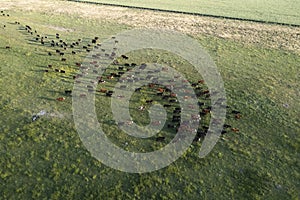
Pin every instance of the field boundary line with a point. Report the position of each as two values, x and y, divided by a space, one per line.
188 13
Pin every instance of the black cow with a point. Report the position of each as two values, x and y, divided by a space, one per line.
149 101
175 117
143 66
68 92
165 97
177 111
137 89
236 112
108 94
172 126
201 104
28 27
160 139
175 120
125 57
227 126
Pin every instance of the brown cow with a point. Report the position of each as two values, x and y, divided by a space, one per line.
235 130
160 89
103 90
60 99
238 116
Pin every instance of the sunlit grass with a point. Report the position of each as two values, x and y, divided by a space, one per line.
46 159
269 11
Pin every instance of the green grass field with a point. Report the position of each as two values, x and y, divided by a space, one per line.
46 159
270 10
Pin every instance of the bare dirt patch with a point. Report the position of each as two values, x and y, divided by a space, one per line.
267 35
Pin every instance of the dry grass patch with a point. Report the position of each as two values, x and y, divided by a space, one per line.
272 36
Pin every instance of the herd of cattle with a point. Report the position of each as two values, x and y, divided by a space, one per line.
56 46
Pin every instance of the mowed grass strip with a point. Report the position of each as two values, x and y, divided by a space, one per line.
46 159
268 11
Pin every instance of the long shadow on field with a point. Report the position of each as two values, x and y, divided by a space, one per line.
56 92
37 70
47 98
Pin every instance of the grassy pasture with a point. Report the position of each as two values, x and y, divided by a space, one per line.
46 159
269 11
